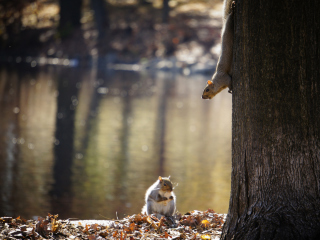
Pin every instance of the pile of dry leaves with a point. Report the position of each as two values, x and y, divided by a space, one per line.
192 225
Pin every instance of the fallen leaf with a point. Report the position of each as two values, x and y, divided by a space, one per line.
55 225
205 236
42 227
149 220
205 223
92 237
94 227
132 226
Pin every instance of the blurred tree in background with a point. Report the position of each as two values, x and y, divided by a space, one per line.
101 16
70 16
165 13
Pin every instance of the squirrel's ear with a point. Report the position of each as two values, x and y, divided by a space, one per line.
160 178
209 82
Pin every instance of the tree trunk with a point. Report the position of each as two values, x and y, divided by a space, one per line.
61 192
101 16
144 2
165 11
70 15
276 121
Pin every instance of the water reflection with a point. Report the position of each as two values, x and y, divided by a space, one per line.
88 143
27 123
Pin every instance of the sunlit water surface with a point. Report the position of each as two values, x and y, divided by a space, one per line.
86 144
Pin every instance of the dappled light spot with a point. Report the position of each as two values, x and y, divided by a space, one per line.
145 148
102 90
186 71
16 110
31 146
33 63
79 155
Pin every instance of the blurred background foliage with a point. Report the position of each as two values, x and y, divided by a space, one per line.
130 29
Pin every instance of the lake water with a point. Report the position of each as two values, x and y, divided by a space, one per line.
87 144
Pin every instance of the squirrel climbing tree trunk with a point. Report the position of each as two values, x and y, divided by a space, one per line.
275 182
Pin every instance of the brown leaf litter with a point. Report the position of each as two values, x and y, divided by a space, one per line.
192 225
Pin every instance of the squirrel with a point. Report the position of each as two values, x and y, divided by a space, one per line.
160 199
221 79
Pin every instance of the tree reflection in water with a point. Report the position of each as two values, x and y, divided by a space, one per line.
86 143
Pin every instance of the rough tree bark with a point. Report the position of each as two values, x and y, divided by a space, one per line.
276 121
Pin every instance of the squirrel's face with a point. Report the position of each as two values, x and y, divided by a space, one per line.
166 185
209 91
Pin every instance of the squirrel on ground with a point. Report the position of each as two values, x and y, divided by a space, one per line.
160 199
221 79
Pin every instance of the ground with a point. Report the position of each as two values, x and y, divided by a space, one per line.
192 225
